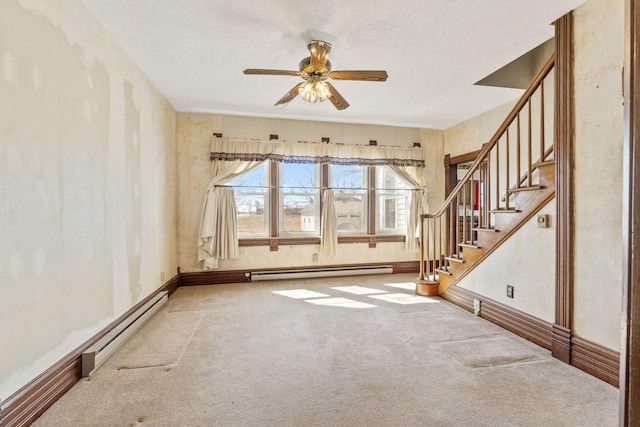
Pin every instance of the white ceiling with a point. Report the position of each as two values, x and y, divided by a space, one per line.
434 51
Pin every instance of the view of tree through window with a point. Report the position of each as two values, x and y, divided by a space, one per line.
252 201
349 183
299 198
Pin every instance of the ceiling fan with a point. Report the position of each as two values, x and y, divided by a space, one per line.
315 70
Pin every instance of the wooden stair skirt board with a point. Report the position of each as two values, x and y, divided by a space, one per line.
28 403
594 359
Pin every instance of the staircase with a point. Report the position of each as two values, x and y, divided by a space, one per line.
512 178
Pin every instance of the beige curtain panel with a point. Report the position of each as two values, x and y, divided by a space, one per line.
328 229
218 234
414 176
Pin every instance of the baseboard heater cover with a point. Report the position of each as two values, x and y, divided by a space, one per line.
98 353
256 276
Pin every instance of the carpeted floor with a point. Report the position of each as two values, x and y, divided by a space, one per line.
358 351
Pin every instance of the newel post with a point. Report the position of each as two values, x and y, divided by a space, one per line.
426 284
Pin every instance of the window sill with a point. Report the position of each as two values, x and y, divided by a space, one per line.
293 241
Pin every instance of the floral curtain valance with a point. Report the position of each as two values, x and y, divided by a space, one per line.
314 152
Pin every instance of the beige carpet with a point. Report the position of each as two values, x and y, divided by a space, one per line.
360 351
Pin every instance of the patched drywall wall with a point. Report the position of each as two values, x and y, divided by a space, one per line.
87 183
598 59
525 262
193 136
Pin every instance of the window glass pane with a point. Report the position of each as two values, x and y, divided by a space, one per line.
299 199
349 184
392 202
252 202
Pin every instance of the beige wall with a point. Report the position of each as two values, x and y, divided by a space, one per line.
599 54
193 135
525 262
87 183
469 135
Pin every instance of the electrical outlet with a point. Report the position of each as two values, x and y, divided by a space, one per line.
162 276
314 257
476 307
509 291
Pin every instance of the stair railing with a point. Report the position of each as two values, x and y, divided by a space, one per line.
506 165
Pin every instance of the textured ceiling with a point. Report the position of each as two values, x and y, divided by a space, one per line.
434 51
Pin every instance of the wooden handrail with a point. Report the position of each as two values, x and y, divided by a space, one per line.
473 204
548 66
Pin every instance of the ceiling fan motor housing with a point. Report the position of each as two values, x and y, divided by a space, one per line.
306 64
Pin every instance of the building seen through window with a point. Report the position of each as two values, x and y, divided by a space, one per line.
298 199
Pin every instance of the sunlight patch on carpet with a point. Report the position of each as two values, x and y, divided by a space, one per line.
300 294
359 290
408 285
340 302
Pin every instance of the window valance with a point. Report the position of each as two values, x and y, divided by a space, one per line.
315 152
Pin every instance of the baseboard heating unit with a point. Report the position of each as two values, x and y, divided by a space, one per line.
256 276
98 353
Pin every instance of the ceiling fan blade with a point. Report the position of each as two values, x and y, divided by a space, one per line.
260 71
290 95
319 55
336 99
370 76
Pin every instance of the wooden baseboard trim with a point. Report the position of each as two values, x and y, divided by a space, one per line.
591 358
561 343
521 324
240 276
27 404
171 286
596 360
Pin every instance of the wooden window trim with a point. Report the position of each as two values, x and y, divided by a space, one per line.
274 203
371 201
274 240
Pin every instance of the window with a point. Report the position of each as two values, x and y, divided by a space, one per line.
252 202
299 211
350 194
392 201
368 200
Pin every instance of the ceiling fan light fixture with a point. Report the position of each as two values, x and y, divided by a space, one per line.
314 70
314 91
